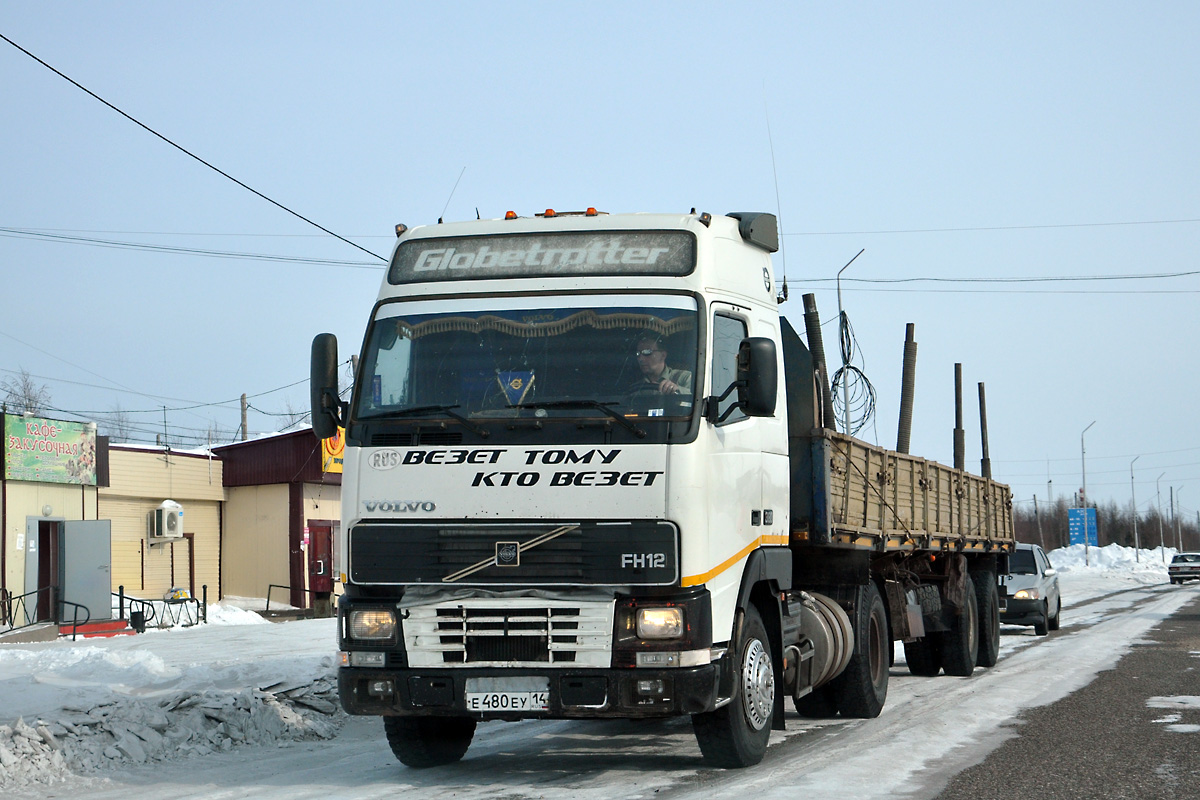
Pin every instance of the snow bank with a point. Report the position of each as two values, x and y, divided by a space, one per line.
98 704
1112 565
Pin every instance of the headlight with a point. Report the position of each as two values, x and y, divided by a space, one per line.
659 623
373 624
1026 594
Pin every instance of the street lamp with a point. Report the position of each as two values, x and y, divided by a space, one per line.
1162 545
1137 543
1178 527
1083 464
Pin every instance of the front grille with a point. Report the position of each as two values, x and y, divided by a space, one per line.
590 553
482 630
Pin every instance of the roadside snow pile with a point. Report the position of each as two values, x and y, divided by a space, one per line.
87 707
1123 564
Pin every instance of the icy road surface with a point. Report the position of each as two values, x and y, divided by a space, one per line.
240 711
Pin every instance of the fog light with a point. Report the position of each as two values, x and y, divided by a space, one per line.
651 688
380 688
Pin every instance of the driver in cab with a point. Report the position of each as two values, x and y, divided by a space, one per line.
656 375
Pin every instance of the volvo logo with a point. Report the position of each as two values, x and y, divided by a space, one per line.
398 506
508 554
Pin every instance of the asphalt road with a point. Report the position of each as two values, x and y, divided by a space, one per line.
1110 739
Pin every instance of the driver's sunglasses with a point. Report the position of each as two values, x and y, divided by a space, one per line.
646 353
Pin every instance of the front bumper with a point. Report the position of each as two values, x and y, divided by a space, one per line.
1023 612
574 694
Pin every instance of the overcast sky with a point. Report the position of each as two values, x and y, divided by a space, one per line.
949 141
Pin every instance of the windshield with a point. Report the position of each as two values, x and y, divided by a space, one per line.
619 361
1020 562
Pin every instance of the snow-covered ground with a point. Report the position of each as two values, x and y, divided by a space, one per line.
231 706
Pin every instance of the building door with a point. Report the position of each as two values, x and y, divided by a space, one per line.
47 569
85 568
320 566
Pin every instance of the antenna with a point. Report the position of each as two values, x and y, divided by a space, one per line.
783 290
451 197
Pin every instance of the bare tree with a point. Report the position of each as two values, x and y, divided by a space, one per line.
118 426
23 395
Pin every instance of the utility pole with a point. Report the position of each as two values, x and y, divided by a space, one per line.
1162 545
1083 491
244 407
1038 517
1171 490
1178 523
1137 543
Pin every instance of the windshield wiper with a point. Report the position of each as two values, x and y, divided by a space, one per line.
597 404
483 433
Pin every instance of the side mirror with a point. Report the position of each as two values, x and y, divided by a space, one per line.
1050 572
756 384
322 387
758 373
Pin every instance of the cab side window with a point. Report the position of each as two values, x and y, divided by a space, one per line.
728 333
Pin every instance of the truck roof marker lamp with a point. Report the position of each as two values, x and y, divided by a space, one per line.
549 213
510 215
401 229
591 212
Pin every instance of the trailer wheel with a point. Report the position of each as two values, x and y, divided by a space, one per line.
924 656
862 687
987 599
820 703
960 644
736 734
429 741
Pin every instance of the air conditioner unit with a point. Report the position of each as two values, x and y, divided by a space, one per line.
165 523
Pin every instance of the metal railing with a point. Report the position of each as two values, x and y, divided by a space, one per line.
15 612
183 611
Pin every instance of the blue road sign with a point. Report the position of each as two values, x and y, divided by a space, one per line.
1080 519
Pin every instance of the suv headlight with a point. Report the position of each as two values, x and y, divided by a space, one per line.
660 623
373 624
1026 594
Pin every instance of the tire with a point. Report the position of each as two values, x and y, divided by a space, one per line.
987 600
960 644
1053 622
861 689
1043 628
820 703
924 656
736 734
429 741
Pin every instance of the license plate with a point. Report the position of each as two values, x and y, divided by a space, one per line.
508 694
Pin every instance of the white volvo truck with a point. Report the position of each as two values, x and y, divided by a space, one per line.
588 474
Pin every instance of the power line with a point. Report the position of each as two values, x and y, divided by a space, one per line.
19 233
998 228
187 152
1026 279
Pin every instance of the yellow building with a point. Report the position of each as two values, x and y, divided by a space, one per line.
141 478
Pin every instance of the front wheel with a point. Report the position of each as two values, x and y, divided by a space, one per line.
736 734
429 741
1053 622
1042 627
